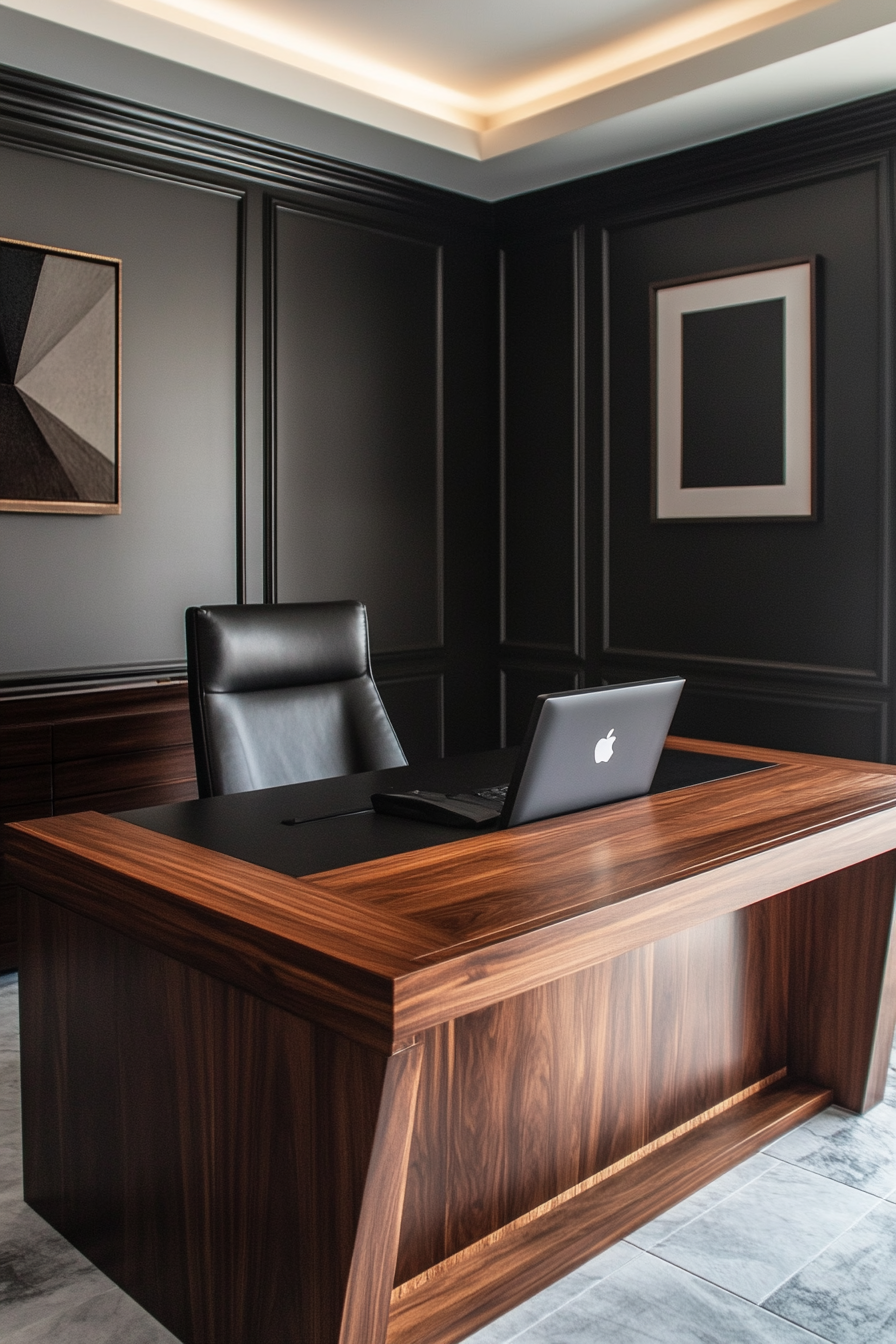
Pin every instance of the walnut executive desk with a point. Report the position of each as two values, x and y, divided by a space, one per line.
383 1102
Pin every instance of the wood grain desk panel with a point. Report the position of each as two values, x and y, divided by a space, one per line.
330 958
101 748
389 1101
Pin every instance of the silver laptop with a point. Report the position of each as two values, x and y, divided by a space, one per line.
581 749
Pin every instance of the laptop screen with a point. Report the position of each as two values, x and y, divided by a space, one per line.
583 748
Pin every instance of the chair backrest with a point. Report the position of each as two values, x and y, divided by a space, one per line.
283 694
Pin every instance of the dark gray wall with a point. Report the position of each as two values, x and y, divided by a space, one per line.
93 591
794 593
359 432
782 628
310 405
311 410
385 463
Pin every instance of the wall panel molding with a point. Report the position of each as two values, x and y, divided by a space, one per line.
358 419
542 441
786 717
846 173
785 153
40 112
55 681
845 676
837 680
446 670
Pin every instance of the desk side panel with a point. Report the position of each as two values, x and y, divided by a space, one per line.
207 1150
311 952
522 1101
843 981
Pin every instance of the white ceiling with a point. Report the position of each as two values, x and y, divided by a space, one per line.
528 92
467 45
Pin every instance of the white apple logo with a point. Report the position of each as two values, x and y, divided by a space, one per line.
604 749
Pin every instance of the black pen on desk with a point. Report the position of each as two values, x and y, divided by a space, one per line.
328 816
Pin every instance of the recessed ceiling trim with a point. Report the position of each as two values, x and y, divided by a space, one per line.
125 25
702 28
706 44
656 81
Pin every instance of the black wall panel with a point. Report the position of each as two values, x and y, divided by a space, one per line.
806 593
542 466
310 395
358 424
384 451
783 628
471 487
540 444
82 592
322 379
416 707
827 725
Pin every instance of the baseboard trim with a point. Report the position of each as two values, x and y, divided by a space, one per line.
464 1293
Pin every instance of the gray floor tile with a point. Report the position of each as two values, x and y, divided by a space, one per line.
511 1325
10 1076
859 1150
10 1164
51 1294
603 1265
848 1293
656 1231
649 1302
514 1323
9 1019
40 1273
890 1089
110 1317
760 1236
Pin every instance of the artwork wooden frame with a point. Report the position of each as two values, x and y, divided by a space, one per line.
60 380
733 394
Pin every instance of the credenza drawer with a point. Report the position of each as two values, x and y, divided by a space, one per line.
118 734
24 746
123 800
108 774
25 784
107 749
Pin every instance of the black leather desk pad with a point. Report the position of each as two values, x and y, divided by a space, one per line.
333 831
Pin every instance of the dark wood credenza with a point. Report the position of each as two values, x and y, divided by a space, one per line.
104 749
382 1102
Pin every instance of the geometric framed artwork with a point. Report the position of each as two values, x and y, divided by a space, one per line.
733 396
60 380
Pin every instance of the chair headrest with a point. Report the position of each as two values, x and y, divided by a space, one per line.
252 648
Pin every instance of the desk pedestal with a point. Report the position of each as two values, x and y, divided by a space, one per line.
253 1176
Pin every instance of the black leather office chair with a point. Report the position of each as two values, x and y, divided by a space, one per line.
283 694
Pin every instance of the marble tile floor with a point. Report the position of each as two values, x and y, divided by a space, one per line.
796 1245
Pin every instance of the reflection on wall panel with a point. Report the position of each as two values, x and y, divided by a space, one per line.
803 593
541 447
94 592
520 686
358 434
781 626
793 722
415 706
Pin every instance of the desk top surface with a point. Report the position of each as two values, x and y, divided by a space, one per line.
333 825
384 948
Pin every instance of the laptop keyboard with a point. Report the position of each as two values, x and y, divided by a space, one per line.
495 793
476 807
